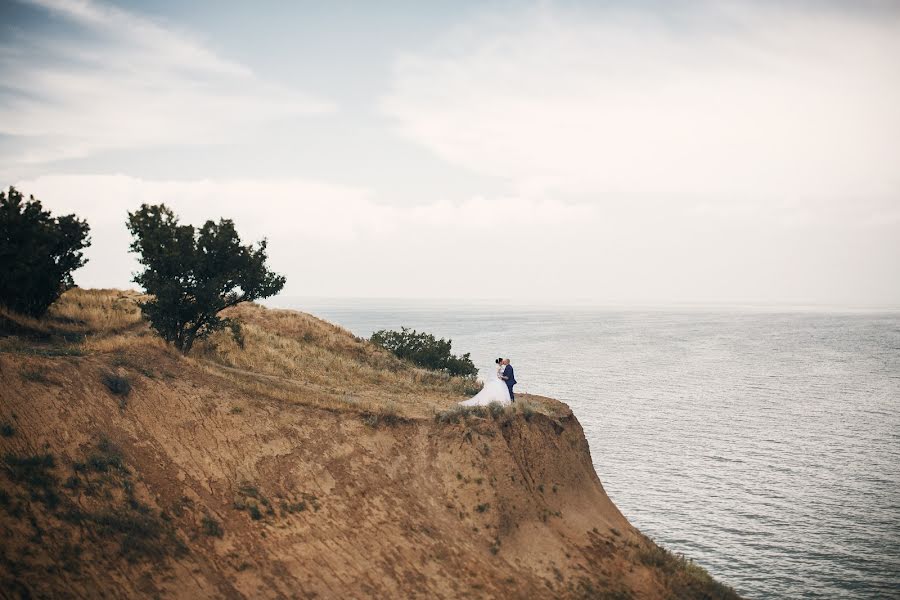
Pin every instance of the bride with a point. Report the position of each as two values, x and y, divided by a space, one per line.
494 390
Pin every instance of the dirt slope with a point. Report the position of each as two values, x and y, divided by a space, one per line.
208 480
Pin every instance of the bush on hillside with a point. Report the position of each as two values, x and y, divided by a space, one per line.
37 253
195 274
424 350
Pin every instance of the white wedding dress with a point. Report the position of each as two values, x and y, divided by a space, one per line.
494 390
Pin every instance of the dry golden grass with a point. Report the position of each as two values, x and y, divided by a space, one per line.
82 312
122 342
22 322
302 357
285 355
97 311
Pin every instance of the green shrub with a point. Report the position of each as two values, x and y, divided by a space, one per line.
117 384
471 386
211 527
141 535
193 275
386 415
424 350
35 375
293 507
495 546
527 410
496 409
459 413
453 415
108 457
35 472
682 576
37 253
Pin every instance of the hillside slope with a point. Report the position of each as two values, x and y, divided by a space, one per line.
306 463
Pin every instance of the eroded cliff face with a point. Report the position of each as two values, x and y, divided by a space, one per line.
190 486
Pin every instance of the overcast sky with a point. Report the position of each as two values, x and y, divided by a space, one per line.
611 152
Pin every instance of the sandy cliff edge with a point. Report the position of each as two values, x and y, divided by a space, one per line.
266 471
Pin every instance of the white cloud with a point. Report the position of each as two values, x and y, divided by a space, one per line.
124 81
318 230
747 155
725 104
336 240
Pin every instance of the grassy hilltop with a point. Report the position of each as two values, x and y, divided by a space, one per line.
294 461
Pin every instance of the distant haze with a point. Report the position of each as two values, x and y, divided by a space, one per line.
608 152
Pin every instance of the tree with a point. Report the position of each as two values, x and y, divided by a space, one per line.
37 253
424 350
193 275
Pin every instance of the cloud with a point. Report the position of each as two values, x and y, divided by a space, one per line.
337 240
118 80
720 103
328 238
726 153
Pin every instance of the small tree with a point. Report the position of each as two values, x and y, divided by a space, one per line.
193 275
424 350
37 253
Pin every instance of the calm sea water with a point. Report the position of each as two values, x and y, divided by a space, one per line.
765 445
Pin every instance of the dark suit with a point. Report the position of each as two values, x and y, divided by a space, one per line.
510 380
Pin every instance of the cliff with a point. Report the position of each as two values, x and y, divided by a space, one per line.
294 461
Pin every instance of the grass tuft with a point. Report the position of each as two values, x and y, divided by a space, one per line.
527 410
211 527
117 384
682 576
108 457
35 473
35 375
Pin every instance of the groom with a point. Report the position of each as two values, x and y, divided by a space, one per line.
509 376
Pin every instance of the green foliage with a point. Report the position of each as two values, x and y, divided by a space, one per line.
682 576
527 410
211 527
108 457
117 384
424 350
140 534
35 375
292 507
386 415
452 415
33 495
496 409
35 472
37 253
495 546
195 274
251 500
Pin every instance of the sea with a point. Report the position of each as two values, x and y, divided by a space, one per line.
761 442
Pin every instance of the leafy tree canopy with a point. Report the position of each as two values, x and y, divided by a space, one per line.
37 253
424 350
195 274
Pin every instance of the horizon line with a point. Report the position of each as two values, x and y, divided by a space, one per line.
598 303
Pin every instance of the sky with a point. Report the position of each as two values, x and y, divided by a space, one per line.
541 152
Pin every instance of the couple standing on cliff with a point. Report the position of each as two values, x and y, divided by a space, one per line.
499 389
